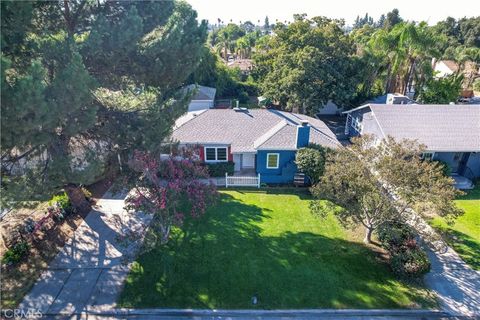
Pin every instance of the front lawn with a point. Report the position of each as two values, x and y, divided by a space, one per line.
267 244
464 234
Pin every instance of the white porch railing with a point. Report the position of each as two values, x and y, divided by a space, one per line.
233 181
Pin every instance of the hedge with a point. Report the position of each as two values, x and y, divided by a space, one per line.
218 169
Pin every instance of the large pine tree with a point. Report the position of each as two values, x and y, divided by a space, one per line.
85 82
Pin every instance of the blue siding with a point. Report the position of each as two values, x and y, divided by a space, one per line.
368 122
474 163
286 167
446 157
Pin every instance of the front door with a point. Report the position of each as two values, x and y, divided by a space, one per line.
248 161
459 163
237 160
462 164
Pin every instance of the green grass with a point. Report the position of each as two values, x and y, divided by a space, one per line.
265 243
464 234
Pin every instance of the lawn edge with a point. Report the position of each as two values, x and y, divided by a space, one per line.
436 313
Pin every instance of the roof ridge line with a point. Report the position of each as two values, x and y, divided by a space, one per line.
270 133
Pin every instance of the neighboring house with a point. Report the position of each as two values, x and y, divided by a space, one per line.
444 68
245 65
203 98
258 141
471 71
451 133
392 98
330 108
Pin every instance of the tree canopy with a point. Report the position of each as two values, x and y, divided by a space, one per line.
365 179
81 83
309 62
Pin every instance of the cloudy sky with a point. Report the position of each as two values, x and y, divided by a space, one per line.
254 10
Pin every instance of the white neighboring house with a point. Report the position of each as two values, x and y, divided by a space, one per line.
203 99
444 68
330 108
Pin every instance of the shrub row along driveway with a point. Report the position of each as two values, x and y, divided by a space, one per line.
93 264
265 244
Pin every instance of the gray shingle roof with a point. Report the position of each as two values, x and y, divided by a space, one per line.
454 128
203 93
249 130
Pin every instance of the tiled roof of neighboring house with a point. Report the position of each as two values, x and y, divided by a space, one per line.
439 127
245 65
203 93
249 130
469 67
452 65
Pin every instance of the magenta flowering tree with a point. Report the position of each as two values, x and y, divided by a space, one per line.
170 189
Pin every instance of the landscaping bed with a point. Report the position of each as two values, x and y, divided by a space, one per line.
18 279
464 234
263 249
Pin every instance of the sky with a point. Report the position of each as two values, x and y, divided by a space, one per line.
242 10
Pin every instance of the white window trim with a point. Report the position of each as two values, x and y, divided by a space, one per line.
357 125
216 154
278 160
429 153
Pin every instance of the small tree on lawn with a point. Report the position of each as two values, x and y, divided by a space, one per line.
349 184
169 189
311 161
365 178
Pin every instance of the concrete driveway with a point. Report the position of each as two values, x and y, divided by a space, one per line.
93 264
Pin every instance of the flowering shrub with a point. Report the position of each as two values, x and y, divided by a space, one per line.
407 258
410 263
169 189
395 234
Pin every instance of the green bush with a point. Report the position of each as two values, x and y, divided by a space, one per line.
219 169
311 161
243 97
395 235
410 263
63 202
447 170
407 258
16 253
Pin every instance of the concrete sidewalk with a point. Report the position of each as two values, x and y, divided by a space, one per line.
456 284
93 264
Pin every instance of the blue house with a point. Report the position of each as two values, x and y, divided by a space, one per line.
451 133
258 141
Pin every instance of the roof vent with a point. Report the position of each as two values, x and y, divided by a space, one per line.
304 123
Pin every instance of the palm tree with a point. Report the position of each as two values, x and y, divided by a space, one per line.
407 49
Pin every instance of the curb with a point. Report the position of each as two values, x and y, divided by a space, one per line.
251 313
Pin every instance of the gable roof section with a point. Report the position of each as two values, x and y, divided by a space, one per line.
447 128
203 93
450 64
247 131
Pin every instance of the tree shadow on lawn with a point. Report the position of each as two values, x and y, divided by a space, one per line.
302 193
467 247
222 260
